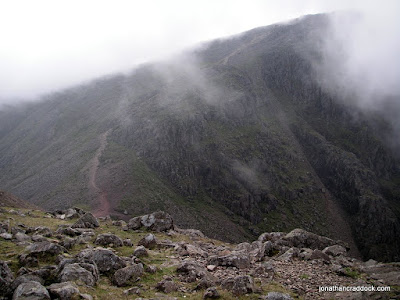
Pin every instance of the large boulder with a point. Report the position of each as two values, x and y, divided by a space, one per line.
123 276
303 239
335 250
77 272
193 271
26 278
86 221
239 285
106 260
108 239
44 248
31 290
157 221
6 279
64 291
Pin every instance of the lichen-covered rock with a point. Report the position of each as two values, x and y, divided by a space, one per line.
31 290
239 260
26 278
157 221
108 239
303 239
64 291
335 250
86 221
44 248
105 259
211 293
167 286
76 272
6 278
122 276
239 285
140 251
149 241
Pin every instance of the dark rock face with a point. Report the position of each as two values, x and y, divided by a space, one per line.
157 221
106 260
6 279
107 239
86 221
31 290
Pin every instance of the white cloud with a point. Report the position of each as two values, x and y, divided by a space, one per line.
47 45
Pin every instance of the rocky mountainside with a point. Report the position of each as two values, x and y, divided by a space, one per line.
235 138
70 254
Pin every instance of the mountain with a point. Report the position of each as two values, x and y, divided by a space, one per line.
235 138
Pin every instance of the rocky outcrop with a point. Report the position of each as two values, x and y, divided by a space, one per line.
158 221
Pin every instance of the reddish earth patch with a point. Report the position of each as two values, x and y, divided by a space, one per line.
103 205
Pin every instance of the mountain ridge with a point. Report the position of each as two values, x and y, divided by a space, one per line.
235 139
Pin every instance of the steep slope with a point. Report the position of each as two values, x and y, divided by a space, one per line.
9 200
234 139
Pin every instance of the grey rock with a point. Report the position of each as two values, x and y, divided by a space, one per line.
303 239
318 254
289 254
140 251
6 236
239 285
122 276
67 231
277 296
86 221
6 278
26 278
105 259
235 259
192 271
44 248
63 291
157 221
167 286
31 290
68 243
75 272
211 293
22 237
127 242
149 241
107 239
335 250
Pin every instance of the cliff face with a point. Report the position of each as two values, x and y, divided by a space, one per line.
234 139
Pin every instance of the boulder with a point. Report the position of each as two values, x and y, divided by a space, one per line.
76 272
107 239
22 237
211 293
157 221
122 276
277 296
270 236
239 260
63 291
335 250
289 254
192 271
26 278
106 260
31 290
140 251
86 221
149 241
6 279
303 239
239 285
318 254
167 286
44 248
67 231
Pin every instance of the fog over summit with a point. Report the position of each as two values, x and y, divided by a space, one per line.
47 45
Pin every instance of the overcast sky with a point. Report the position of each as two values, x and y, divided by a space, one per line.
48 45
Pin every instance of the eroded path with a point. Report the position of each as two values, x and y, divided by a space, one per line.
103 205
